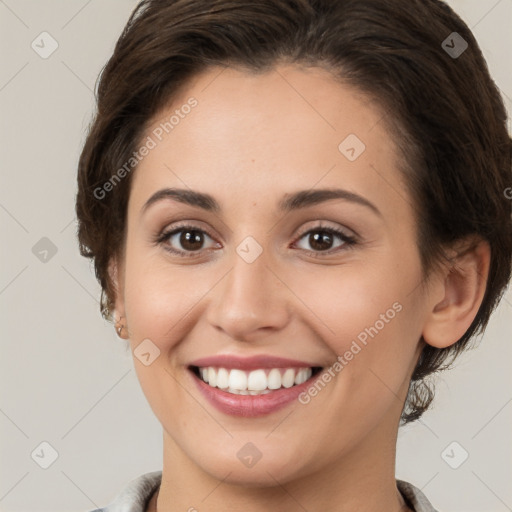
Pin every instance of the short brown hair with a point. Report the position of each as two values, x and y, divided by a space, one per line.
446 113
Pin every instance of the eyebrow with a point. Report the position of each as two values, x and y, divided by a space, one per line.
289 202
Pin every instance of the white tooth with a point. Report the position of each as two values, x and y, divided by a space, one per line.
222 378
212 377
257 380
288 378
303 375
274 379
237 379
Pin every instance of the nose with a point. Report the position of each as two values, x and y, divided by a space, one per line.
251 301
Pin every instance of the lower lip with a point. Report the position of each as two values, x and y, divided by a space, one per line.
251 405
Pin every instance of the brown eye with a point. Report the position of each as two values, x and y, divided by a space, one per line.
191 240
187 241
321 239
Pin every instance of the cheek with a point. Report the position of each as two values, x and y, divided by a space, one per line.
160 298
355 303
371 320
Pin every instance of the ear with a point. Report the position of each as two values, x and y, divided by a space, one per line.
116 273
462 287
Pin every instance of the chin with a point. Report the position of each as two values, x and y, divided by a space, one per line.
270 467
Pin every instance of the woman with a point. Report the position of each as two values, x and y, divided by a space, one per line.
297 212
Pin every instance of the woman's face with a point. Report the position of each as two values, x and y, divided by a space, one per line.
263 274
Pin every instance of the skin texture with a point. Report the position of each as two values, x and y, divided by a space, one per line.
251 139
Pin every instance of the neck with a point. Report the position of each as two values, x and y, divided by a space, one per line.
364 479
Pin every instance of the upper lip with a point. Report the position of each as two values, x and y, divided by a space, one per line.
251 363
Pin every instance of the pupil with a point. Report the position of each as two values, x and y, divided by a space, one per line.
193 239
189 238
317 240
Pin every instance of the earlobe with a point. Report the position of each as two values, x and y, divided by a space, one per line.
463 290
119 316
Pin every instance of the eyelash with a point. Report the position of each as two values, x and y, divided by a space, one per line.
348 241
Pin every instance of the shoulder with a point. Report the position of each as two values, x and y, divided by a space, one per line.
414 497
135 495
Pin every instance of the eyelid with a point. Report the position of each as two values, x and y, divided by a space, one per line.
165 234
184 224
349 240
349 233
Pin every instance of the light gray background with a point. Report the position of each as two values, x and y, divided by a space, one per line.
67 380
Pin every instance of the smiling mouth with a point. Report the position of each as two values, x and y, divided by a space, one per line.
259 381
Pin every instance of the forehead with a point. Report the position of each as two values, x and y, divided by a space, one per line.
255 133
